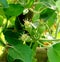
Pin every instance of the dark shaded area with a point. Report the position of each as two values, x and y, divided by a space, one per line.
17 60
46 14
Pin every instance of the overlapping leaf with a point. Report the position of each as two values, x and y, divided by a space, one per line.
52 55
26 3
13 10
18 50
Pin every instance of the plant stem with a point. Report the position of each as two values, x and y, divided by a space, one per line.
40 43
58 20
49 40
4 28
56 30
34 11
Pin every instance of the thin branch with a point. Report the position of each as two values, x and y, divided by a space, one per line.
49 40
56 30
58 19
34 11
40 43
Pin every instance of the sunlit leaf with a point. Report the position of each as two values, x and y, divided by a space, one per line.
13 10
52 55
57 4
57 48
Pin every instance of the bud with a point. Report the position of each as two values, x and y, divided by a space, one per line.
28 26
26 38
27 23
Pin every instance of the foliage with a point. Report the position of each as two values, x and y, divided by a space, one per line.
38 26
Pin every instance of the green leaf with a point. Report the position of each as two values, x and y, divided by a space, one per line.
10 36
46 13
29 3
13 10
35 17
41 28
21 52
1 12
58 35
39 6
10 59
11 22
52 19
38 9
58 4
26 3
4 3
52 55
49 4
57 48
2 49
17 50
1 20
